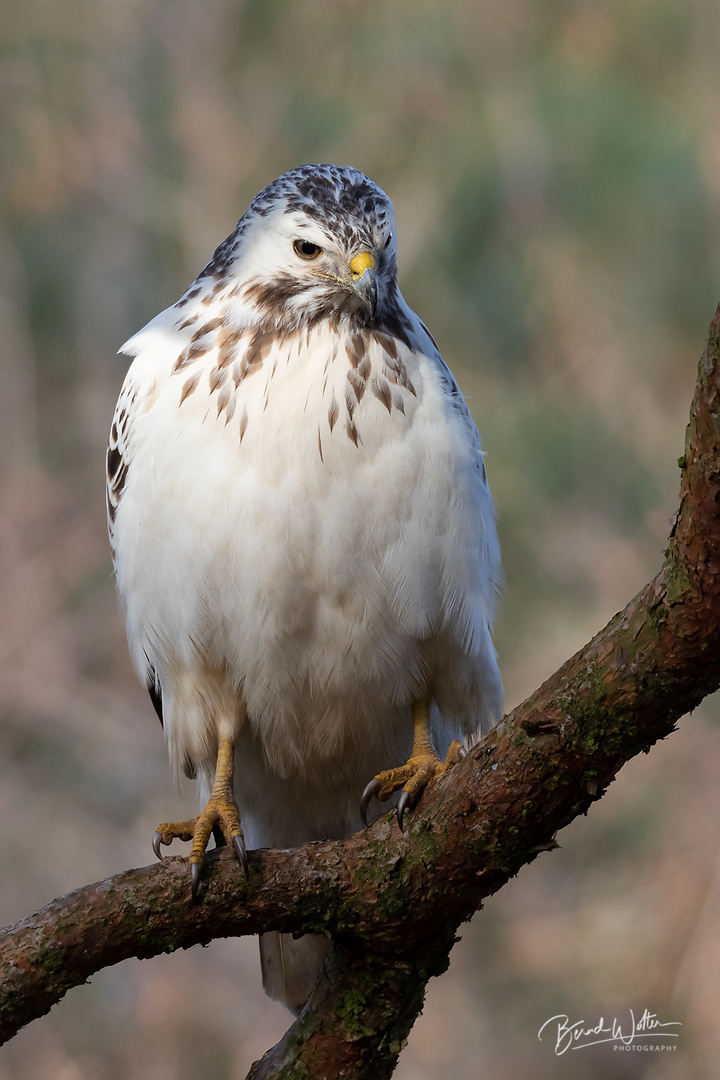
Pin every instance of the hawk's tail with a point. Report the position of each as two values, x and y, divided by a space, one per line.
291 965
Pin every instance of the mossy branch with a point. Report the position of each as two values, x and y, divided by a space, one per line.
393 902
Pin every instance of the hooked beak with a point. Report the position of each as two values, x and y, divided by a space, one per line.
364 281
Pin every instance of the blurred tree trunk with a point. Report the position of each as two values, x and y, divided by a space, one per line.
393 902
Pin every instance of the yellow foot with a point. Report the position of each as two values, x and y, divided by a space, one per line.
220 813
422 766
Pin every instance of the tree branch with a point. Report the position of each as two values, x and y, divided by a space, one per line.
393 902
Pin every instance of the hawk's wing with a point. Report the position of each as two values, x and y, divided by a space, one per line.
118 462
119 452
136 390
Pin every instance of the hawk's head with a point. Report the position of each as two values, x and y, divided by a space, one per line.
319 242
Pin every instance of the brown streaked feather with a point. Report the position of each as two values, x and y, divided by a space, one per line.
357 383
333 412
227 342
260 345
226 400
206 329
217 377
352 432
190 386
243 424
381 389
356 349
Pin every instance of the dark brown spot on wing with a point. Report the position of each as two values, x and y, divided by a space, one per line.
115 488
153 689
118 484
117 470
114 460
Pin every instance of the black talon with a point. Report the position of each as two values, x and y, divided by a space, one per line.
156 841
241 850
195 878
462 752
372 789
402 807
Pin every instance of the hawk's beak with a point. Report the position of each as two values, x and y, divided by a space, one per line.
362 272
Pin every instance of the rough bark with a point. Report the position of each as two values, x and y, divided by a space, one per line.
394 902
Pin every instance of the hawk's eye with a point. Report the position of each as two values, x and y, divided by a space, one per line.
304 249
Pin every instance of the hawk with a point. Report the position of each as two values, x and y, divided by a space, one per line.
303 536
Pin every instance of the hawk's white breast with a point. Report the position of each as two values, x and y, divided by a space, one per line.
332 554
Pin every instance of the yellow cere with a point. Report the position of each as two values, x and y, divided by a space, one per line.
360 263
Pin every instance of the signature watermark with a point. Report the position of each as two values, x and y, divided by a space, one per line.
643 1034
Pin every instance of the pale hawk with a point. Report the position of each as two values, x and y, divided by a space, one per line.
303 534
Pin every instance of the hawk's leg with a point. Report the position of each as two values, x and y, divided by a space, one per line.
422 766
220 812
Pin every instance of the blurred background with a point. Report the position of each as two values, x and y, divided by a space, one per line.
555 169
